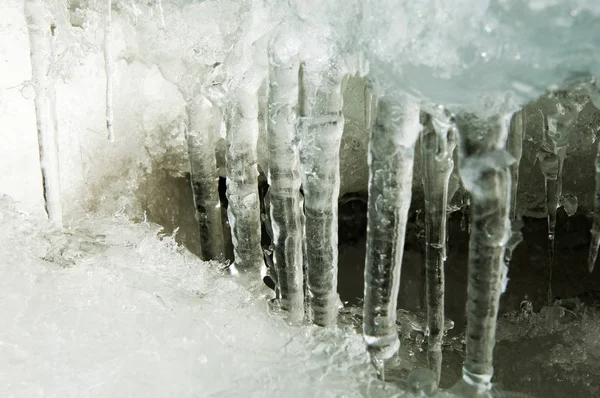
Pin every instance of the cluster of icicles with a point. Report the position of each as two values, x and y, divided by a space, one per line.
304 128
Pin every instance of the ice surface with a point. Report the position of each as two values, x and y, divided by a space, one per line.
111 309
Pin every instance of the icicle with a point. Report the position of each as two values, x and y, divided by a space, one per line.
40 39
551 162
595 238
559 114
108 68
284 175
391 157
437 149
204 122
320 134
515 147
484 169
242 185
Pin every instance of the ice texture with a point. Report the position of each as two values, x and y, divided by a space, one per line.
108 68
41 32
204 123
438 140
113 308
484 167
286 213
391 157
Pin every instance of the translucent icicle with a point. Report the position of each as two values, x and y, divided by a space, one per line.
320 134
42 54
559 113
204 122
284 176
243 211
514 146
108 69
484 169
437 149
595 238
391 159
551 161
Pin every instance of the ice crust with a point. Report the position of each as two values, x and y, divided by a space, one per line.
113 308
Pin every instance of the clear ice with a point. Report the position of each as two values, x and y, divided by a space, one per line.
109 71
285 202
391 159
484 169
438 140
204 123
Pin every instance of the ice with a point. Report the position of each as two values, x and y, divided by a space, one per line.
438 141
559 112
108 67
595 232
41 32
514 145
391 157
135 314
489 185
320 131
204 121
286 214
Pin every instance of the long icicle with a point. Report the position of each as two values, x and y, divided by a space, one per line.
484 169
108 69
320 134
391 160
204 122
437 149
595 238
514 145
551 158
243 211
284 175
40 39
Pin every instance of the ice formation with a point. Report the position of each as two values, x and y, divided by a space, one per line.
475 62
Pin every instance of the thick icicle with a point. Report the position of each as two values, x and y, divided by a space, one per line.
320 134
108 69
437 149
40 39
204 122
514 145
484 169
595 238
284 175
391 158
242 185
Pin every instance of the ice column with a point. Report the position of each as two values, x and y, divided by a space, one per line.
484 169
242 173
320 134
204 122
108 66
595 238
284 174
437 148
391 158
42 54
514 145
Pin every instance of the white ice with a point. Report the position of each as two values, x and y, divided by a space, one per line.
111 310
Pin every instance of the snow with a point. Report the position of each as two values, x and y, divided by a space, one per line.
114 309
